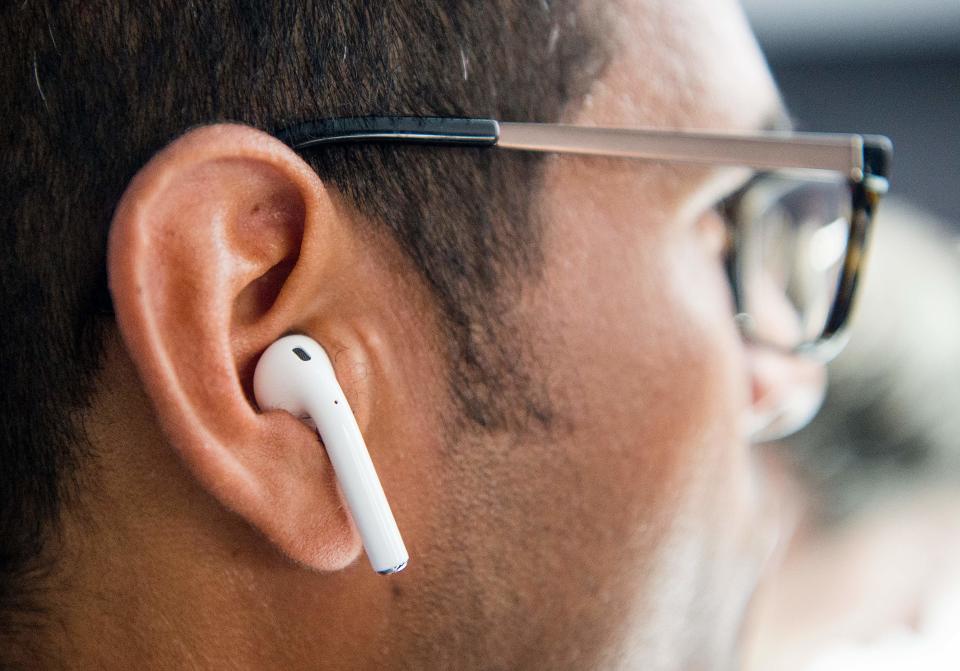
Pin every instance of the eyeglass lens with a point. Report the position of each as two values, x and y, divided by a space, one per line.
791 236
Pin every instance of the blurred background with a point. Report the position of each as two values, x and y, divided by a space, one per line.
871 579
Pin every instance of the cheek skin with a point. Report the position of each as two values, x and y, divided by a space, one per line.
634 330
715 538
575 544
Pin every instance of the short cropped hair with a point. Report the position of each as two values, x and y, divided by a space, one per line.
90 90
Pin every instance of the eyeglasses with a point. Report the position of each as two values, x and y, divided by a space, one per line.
798 228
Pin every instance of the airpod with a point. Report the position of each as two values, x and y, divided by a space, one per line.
295 374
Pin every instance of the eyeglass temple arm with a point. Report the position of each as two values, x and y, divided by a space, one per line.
762 150
424 130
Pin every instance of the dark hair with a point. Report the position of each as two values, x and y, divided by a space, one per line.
91 90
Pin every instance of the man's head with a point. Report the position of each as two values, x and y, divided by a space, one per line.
540 351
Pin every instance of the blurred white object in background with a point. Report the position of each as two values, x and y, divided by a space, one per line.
872 578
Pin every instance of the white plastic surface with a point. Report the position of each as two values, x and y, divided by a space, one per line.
283 380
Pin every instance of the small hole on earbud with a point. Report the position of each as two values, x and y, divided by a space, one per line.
335 402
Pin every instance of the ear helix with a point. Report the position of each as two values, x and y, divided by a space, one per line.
295 374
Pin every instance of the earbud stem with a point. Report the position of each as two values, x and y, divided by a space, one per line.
360 485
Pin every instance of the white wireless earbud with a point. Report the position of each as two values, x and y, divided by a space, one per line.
295 374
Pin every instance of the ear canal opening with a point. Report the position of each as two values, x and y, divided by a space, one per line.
253 302
259 295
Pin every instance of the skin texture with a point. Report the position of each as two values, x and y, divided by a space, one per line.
627 532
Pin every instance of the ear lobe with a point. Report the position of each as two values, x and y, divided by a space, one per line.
208 265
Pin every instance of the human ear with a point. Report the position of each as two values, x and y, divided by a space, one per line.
222 243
